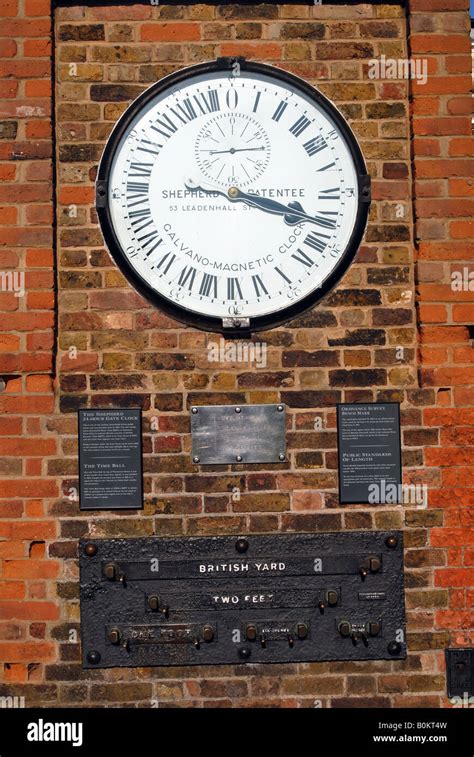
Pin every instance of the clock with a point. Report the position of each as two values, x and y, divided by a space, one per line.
233 195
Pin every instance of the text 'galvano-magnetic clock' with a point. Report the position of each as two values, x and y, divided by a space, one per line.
232 195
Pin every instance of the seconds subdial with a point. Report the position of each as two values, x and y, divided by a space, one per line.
232 149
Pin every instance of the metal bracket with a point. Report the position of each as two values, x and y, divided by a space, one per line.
236 323
365 192
229 61
101 192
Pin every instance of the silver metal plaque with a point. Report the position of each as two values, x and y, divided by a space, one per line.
223 434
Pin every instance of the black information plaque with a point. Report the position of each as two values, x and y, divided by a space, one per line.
370 470
110 459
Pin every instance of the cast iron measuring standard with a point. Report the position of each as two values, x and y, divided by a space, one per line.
233 195
222 599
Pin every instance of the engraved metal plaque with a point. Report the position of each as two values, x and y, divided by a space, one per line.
223 434
224 600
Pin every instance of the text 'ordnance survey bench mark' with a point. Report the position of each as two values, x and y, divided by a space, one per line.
110 459
369 453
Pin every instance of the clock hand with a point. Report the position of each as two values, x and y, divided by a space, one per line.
193 186
293 214
233 150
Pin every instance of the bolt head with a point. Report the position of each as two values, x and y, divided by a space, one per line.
391 542
196 459
394 648
90 549
282 457
238 409
302 630
251 633
244 653
280 408
194 410
208 633
239 458
345 628
241 545
93 657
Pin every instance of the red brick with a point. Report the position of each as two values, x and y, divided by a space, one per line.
121 13
38 7
441 126
463 313
461 146
26 28
454 577
264 50
461 229
440 43
27 446
37 48
38 88
32 651
7 173
9 8
38 130
7 48
178 32
76 194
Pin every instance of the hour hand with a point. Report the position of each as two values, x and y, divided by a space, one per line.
293 213
195 186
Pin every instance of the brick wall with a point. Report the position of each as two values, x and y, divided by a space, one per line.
80 337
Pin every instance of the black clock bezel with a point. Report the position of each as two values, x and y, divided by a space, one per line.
185 315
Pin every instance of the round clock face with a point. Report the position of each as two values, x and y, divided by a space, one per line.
232 196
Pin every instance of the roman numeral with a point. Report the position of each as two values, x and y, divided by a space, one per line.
283 275
330 194
257 100
233 289
168 127
327 223
316 241
302 257
148 239
184 111
280 110
207 102
259 286
209 282
140 169
315 145
144 213
149 149
300 125
136 189
139 216
164 260
187 276
325 168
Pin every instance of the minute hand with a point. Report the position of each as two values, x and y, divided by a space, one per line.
292 215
